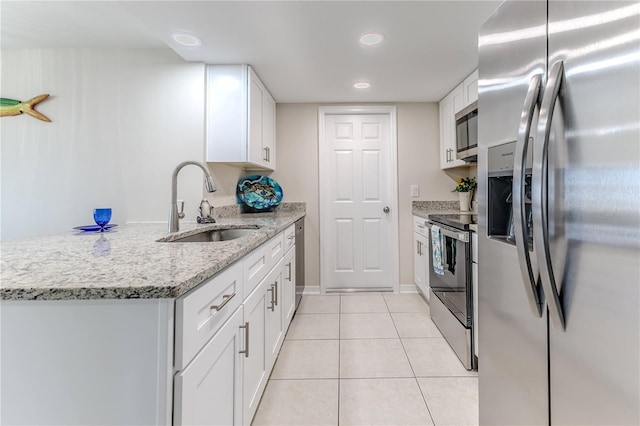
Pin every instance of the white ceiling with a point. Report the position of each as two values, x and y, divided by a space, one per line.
304 51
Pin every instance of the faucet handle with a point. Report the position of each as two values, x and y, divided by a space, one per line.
181 210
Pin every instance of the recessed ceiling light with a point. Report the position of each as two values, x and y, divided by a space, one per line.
185 39
372 39
361 85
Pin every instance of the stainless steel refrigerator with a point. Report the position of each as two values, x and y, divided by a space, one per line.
559 214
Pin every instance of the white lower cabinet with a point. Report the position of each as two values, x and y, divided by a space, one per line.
209 390
255 372
288 287
224 382
274 331
421 255
421 263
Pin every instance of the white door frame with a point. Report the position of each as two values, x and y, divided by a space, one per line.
393 184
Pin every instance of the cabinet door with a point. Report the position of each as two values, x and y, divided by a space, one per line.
269 129
257 154
209 390
446 110
449 105
274 334
458 103
288 287
254 372
421 251
226 113
470 87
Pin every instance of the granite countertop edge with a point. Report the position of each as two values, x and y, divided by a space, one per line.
138 264
431 209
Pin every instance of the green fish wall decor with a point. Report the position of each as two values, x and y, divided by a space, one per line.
10 107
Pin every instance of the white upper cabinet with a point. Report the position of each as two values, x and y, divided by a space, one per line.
449 105
459 98
470 89
240 118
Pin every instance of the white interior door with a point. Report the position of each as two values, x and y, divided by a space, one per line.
358 202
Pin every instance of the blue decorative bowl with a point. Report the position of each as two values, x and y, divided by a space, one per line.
259 193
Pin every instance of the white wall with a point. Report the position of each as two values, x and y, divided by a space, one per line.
122 119
418 163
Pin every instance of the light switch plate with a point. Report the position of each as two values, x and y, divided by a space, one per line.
415 190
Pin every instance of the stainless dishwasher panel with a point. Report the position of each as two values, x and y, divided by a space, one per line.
299 260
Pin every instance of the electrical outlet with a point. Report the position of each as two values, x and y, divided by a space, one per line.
415 190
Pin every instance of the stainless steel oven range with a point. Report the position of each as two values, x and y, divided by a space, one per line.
450 282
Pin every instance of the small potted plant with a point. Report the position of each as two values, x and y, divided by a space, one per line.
465 189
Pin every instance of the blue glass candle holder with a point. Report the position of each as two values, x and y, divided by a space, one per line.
102 217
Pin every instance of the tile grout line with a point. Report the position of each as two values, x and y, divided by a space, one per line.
411 365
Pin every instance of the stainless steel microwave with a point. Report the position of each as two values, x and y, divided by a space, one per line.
467 134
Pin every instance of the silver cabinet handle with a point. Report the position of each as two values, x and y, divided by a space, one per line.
529 278
246 340
291 237
418 248
386 209
539 186
276 292
266 153
273 303
289 266
225 299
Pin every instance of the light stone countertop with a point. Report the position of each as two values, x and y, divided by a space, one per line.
426 208
127 262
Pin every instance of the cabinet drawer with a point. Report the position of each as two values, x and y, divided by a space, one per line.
419 226
289 237
201 313
276 249
258 263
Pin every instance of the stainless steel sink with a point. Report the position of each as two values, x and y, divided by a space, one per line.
215 235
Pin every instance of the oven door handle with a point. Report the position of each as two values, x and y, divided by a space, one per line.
529 277
451 232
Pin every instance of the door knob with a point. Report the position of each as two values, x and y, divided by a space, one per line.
386 209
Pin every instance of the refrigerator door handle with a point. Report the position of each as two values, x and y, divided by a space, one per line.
529 277
539 195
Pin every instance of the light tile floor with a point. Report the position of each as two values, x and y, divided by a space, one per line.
367 359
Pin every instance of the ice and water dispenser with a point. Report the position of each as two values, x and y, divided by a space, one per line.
499 202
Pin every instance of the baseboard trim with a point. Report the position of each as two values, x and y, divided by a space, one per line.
408 288
315 289
311 289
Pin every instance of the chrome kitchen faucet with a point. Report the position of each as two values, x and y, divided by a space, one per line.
175 215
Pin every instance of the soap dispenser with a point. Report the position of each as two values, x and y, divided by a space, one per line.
206 211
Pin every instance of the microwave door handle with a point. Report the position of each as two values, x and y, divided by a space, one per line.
529 277
539 186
